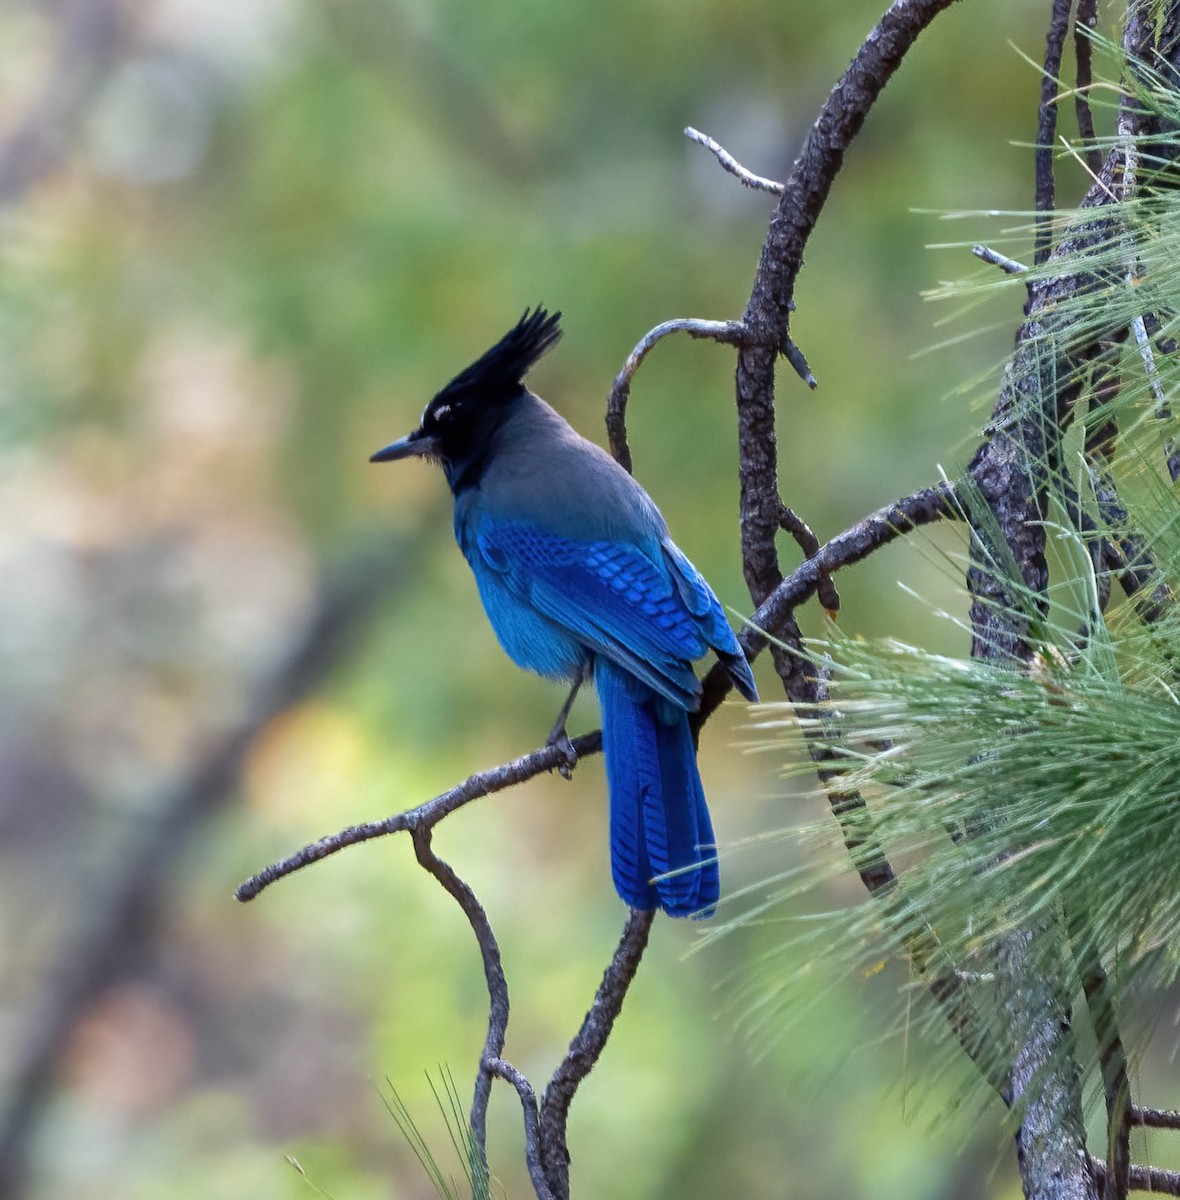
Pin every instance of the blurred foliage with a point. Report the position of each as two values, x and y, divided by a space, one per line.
278 227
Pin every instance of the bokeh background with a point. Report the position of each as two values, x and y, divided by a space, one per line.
240 246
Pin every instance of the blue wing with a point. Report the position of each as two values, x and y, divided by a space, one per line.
699 599
614 599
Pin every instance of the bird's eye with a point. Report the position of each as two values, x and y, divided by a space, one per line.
442 414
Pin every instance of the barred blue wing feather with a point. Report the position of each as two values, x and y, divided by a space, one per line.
608 595
698 597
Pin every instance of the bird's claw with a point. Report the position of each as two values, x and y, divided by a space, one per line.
569 755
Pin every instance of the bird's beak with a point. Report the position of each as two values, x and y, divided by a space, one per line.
413 445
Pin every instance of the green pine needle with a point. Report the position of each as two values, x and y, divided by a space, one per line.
462 1139
1009 799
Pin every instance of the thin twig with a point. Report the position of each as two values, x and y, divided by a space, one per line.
1141 1178
1163 407
798 360
1046 185
532 1130
497 985
793 524
855 544
759 183
729 333
1087 22
1129 129
424 816
1112 1059
587 1047
1129 555
1008 265
1155 1118
1139 328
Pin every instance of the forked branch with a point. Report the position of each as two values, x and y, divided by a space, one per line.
546 1150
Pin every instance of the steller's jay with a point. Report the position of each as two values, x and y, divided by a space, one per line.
578 575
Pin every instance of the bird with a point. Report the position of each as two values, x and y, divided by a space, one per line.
580 579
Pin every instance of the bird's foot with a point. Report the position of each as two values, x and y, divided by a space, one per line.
558 736
561 740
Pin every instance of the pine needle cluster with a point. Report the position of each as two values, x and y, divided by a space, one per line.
1011 796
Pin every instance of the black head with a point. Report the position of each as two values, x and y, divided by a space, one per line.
458 423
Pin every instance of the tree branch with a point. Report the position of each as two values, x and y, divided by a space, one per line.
425 816
758 183
728 333
1141 1178
1112 1061
493 969
761 335
1008 265
1084 27
767 317
855 544
532 1131
586 1048
547 1155
1046 186
1039 390
1155 1118
792 523
852 546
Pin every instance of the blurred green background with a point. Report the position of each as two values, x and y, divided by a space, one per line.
242 245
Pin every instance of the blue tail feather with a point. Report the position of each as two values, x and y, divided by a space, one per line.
659 821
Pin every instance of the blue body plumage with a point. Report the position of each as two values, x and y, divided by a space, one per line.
579 577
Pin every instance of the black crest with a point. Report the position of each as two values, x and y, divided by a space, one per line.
498 372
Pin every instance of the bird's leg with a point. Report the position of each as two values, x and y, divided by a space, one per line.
557 735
